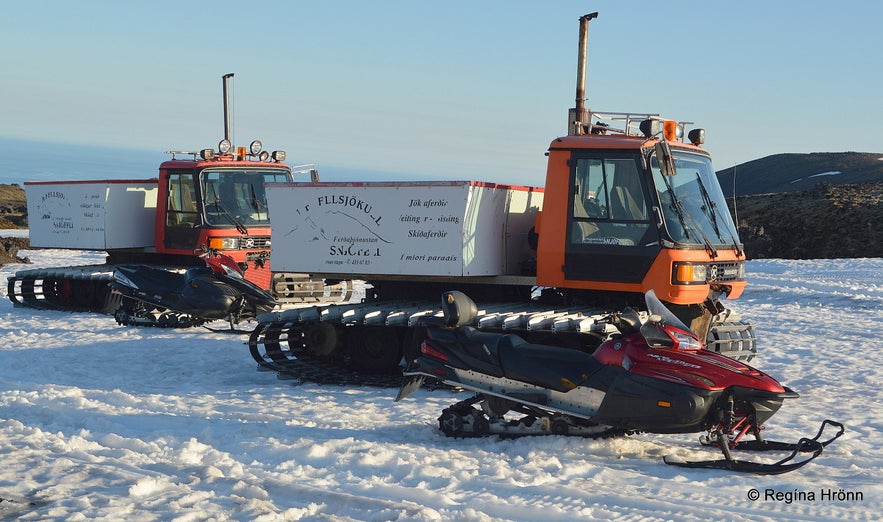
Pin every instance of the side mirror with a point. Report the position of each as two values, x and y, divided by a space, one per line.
665 158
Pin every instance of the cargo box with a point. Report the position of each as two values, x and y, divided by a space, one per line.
439 228
92 215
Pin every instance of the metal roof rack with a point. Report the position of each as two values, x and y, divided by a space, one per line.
193 155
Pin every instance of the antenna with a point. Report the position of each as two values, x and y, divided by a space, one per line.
735 211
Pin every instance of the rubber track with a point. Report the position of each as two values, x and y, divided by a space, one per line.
300 365
466 405
270 347
79 289
733 337
167 319
276 343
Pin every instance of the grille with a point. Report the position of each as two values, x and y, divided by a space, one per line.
722 272
255 242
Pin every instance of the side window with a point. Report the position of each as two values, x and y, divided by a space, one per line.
182 199
608 203
590 196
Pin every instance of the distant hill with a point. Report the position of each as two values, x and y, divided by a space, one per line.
809 206
795 172
13 207
825 222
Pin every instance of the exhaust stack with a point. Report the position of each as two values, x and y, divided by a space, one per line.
578 117
227 80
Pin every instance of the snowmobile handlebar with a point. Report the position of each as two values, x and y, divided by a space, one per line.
204 251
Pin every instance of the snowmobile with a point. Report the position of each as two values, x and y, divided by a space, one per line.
653 376
156 297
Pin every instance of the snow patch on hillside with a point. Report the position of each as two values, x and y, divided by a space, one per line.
830 173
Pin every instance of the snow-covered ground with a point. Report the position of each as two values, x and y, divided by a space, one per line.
103 422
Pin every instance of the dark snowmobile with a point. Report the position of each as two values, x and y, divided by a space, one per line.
655 377
156 297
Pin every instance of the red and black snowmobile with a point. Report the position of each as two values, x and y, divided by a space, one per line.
655 377
156 297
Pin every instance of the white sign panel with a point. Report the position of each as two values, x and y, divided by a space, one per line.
95 215
428 228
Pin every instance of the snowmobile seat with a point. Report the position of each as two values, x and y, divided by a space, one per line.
197 272
560 369
157 279
480 350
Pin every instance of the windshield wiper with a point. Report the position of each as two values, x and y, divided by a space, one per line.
220 206
708 206
239 226
684 216
256 203
711 212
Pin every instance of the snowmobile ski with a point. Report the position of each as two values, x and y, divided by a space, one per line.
805 445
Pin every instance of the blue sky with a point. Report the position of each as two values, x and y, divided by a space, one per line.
439 90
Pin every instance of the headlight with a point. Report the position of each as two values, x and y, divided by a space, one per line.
223 243
689 273
685 342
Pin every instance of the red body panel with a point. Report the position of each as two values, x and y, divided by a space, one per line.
259 275
700 368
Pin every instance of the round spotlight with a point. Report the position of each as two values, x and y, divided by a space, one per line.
224 146
256 147
264 156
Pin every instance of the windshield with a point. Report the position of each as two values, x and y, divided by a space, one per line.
236 197
693 205
659 312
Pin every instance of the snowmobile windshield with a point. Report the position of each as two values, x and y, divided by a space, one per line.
236 197
660 313
693 205
224 265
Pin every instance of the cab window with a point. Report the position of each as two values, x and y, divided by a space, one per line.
182 209
608 204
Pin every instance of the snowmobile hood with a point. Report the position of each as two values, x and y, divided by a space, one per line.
701 369
698 368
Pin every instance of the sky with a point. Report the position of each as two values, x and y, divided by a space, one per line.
438 90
